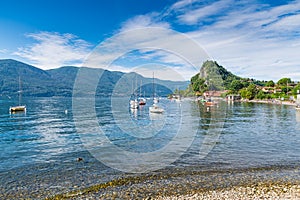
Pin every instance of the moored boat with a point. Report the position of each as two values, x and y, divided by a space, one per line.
142 101
156 109
134 104
209 102
19 108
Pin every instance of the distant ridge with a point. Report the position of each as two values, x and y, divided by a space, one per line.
59 82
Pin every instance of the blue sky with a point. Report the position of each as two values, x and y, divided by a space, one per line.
256 38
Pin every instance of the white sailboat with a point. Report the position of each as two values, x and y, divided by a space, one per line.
142 100
19 108
155 108
134 103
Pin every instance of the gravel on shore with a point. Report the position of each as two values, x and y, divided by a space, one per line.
264 191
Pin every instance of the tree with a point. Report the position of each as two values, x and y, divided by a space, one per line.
249 92
296 89
198 84
236 85
284 81
261 95
270 84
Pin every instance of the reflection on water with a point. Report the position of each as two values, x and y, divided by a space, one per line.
41 146
298 116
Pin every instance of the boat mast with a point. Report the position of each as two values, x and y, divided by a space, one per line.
20 90
141 88
136 91
153 85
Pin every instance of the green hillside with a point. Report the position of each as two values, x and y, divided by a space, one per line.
212 76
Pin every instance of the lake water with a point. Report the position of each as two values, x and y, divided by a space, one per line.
39 148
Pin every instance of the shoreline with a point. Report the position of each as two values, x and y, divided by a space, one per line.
273 102
250 183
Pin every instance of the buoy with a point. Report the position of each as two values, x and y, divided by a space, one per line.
66 111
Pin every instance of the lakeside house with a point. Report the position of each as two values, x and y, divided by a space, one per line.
213 93
233 97
271 90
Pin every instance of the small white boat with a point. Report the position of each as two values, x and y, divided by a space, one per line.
142 101
134 104
14 109
19 108
155 100
156 109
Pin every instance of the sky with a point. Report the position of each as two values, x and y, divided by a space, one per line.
259 39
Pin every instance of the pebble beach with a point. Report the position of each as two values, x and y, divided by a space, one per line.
264 191
266 183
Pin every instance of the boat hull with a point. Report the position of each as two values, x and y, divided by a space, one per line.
134 104
156 109
17 109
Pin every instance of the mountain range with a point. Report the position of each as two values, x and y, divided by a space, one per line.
59 82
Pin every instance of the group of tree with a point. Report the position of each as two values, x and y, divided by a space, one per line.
215 77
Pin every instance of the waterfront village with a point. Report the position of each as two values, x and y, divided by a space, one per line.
234 88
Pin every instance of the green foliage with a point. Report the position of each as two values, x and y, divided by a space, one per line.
236 85
246 83
270 84
216 77
259 83
261 95
198 84
296 89
212 76
286 89
249 92
284 81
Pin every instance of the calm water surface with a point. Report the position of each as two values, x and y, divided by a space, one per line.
39 148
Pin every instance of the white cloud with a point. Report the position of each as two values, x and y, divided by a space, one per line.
289 23
4 51
52 50
194 16
181 4
156 47
142 21
252 40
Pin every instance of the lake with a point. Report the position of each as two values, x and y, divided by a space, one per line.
40 148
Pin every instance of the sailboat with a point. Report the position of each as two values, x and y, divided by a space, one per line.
19 108
142 100
155 108
134 103
298 102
